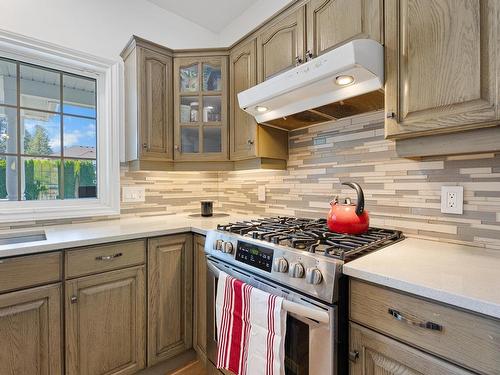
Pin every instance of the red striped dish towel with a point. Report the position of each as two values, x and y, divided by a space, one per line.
251 326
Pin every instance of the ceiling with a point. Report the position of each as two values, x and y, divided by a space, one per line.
213 15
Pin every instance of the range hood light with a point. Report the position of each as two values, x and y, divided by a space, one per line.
261 109
344 80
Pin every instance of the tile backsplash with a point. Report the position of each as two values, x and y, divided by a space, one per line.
400 193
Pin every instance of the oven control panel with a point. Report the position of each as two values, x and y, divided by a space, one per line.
254 255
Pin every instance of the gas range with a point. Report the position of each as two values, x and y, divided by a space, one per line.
298 253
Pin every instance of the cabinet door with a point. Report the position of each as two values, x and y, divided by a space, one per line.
373 354
200 114
243 75
280 44
155 110
105 326
331 23
200 296
441 66
30 332
170 274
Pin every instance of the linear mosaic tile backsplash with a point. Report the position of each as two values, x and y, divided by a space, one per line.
400 193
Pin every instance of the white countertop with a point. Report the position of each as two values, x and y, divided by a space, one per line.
463 276
90 233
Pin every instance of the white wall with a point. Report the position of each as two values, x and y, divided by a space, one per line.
101 27
250 19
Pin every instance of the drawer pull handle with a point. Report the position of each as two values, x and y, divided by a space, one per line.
411 321
109 257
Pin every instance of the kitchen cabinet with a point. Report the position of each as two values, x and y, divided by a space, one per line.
105 323
30 327
331 23
442 66
456 336
148 104
170 290
200 297
371 354
200 108
280 44
249 139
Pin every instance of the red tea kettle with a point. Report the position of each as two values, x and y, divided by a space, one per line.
346 217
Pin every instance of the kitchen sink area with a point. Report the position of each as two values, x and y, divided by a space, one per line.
12 238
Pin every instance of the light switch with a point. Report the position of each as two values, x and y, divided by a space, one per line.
261 193
133 194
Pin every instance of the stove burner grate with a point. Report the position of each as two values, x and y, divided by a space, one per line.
313 235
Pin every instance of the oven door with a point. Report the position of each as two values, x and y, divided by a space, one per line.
310 346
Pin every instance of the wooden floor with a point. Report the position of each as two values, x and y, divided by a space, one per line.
195 368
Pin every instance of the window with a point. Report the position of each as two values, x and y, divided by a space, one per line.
48 133
59 132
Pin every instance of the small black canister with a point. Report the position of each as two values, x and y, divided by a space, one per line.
207 208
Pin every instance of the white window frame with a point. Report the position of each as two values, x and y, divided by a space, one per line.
108 76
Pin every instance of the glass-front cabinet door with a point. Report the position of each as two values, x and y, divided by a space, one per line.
200 108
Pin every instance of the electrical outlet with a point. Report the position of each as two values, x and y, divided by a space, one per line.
133 194
261 192
452 200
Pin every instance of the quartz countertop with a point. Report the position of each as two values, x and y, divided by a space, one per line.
462 276
91 233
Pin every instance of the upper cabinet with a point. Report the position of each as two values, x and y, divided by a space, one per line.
280 45
149 99
200 109
268 147
331 23
442 66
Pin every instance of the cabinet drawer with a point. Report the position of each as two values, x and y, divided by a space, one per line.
31 270
96 259
470 340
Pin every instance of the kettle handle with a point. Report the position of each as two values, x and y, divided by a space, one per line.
360 205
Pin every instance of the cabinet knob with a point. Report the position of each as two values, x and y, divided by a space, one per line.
250 142
145 146
309 55
298 60
177 148
73 299
353 356
390 115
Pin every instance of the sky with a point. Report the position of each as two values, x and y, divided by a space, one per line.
77 131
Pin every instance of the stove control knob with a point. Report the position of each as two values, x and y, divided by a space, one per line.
227 247
280 265
218 245
296 270
314 276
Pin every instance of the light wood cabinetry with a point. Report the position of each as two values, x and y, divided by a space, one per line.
442 66
148 103
331 23
200 297
170 312
280 44
374 354
32 270
469 340
249 139
105 323
200 108
30 327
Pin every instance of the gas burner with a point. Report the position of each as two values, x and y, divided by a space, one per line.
313 236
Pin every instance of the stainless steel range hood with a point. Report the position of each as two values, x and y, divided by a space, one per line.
343 82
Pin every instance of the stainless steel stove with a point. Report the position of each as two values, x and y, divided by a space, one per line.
300 260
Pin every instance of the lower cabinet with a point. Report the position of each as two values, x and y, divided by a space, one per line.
30 329
105 323
372 354
170 312
200 299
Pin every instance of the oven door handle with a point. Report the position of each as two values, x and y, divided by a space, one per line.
292 307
